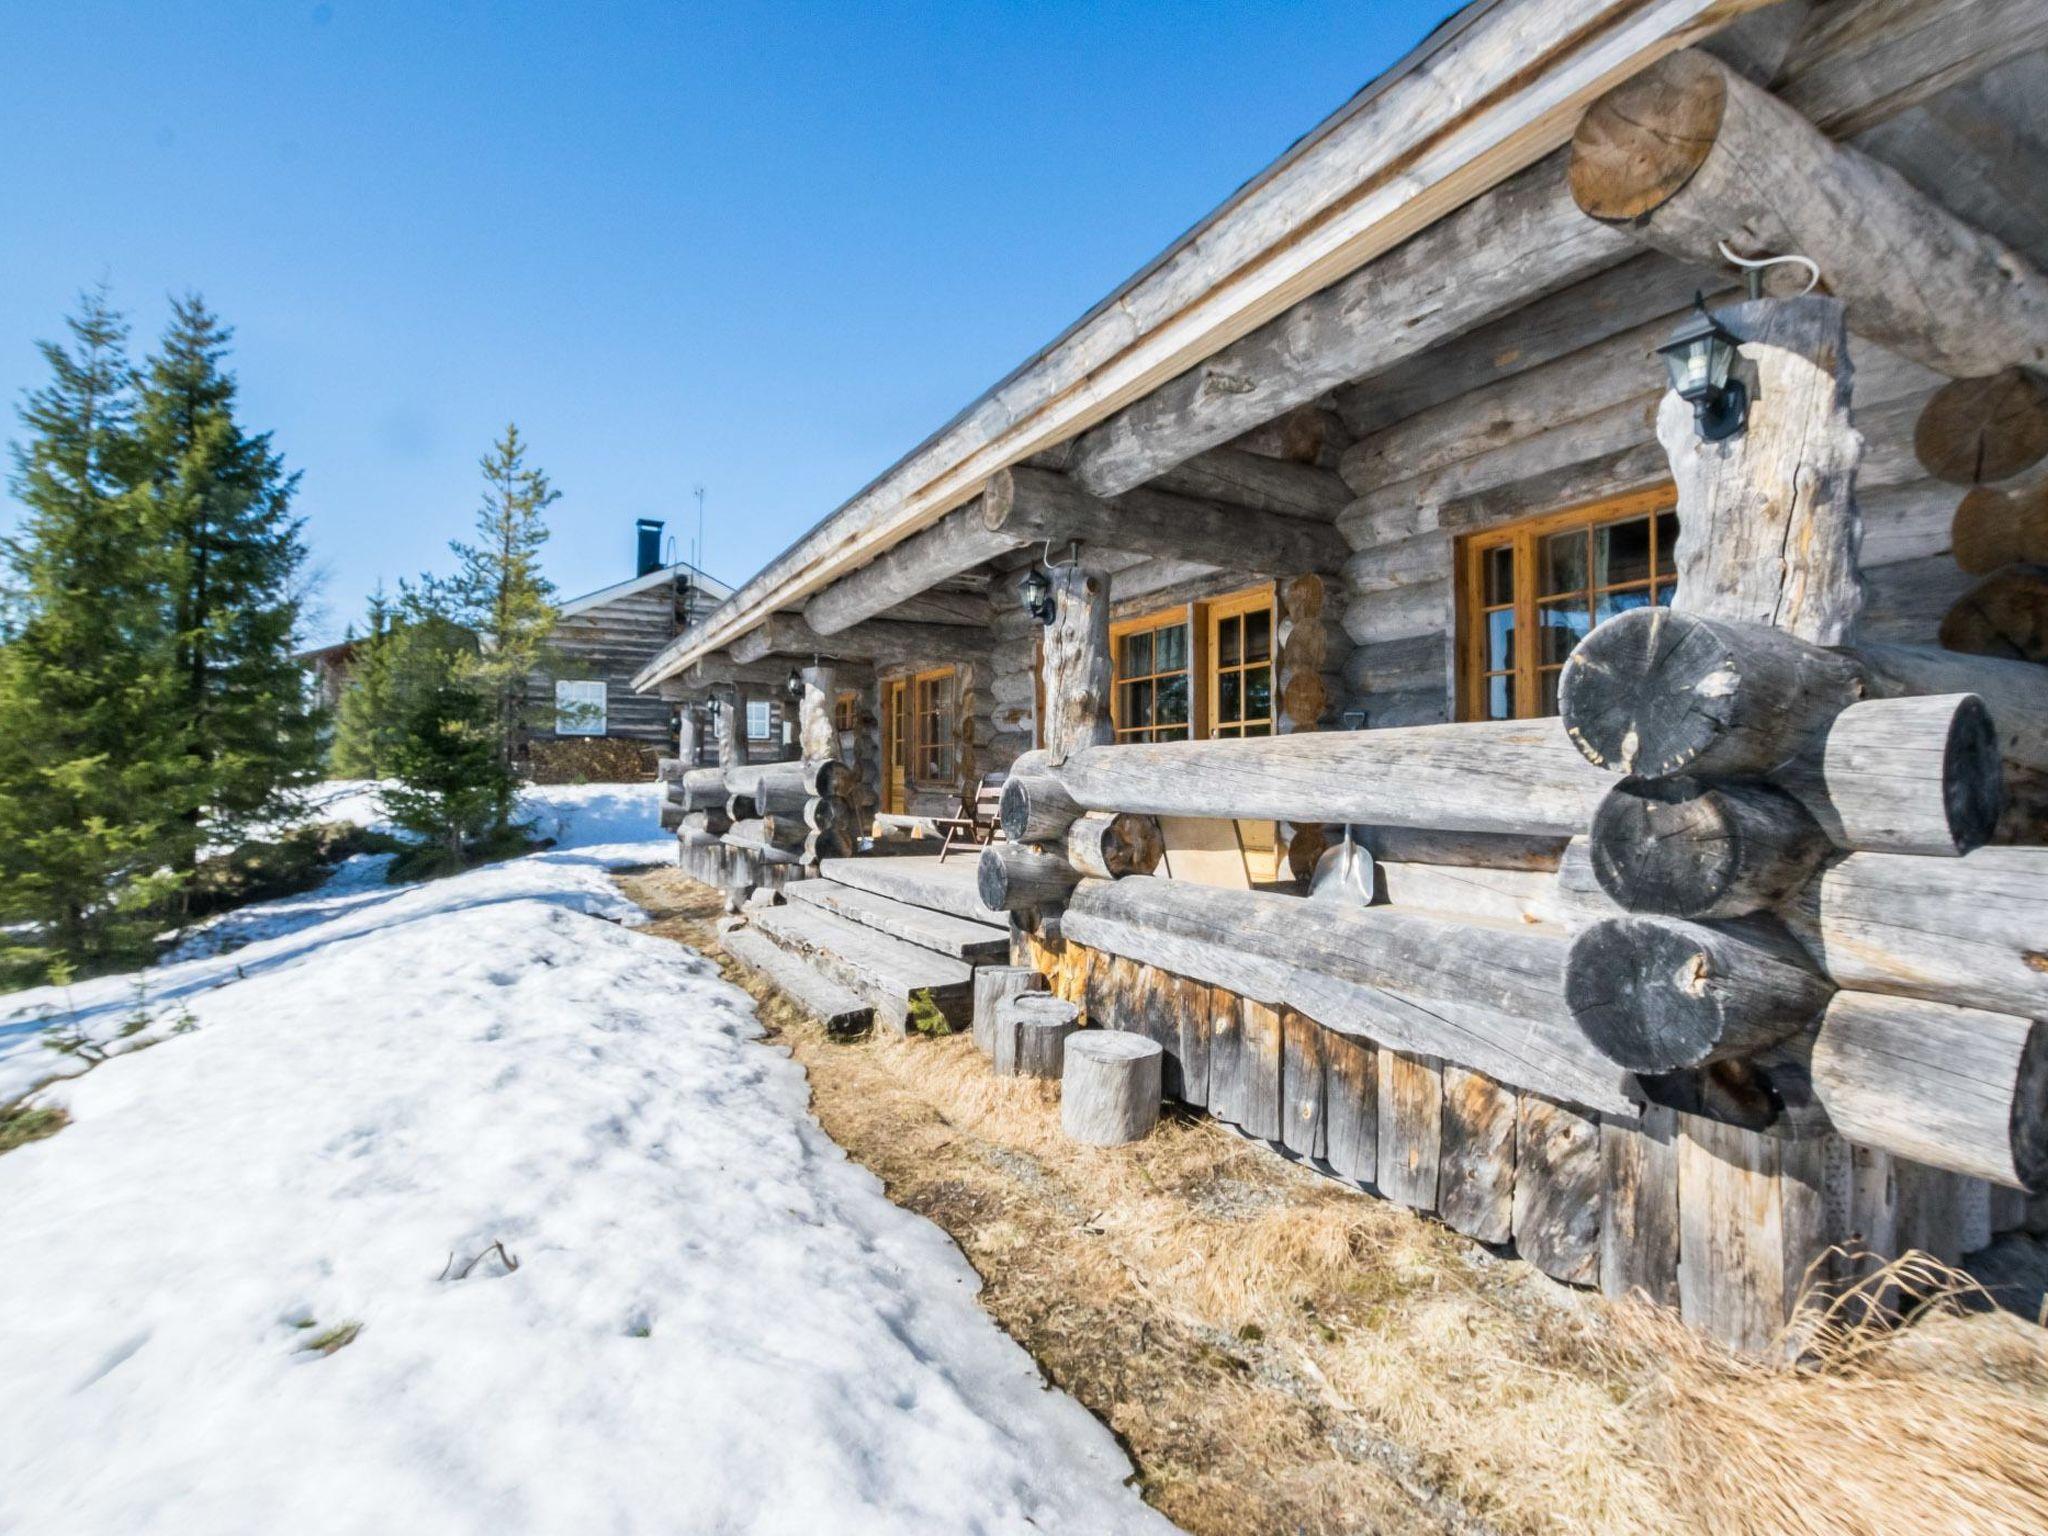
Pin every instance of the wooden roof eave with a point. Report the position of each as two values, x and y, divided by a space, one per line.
1490 92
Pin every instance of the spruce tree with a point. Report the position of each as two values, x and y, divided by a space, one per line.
500 594
94 784
453 786
219 505
367 724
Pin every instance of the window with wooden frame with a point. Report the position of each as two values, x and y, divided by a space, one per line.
1154 673
1531 591
1239 668
846 711
932 720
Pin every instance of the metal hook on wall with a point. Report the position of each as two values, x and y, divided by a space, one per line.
1753 270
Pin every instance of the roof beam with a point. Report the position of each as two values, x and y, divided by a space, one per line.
880 640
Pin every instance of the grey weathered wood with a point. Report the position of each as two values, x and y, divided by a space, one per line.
1656 693
817 732
1639 1205
1515 776
785 786
1107 845
1768 530
1971 931
1351 1107
993 983
1258 482
1557 1206
1226 1053
1687 154
838 1008
726 726
920 880
893 975
1476 1169
1013 877
1259 1070
882 641
1014 1014
1751 1226
1853 67
1663 994
701 789
1035 806
1453 275
1687 849
1043 1024
1957 1088
1410 1117
712 823
1039 505
1488 996
784 832
976 943
1302 1109
1193 1010
1914 775
1076 666
1109 1090
957 542
1462 850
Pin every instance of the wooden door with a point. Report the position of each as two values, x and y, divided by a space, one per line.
896 746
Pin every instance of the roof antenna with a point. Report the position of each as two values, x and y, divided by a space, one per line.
697 556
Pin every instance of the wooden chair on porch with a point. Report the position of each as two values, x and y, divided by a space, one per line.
980 814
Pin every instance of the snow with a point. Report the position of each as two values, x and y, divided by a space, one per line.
718 1323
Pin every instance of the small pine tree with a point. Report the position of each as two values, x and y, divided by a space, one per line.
367 727
452 784
500 594
93 780
219 506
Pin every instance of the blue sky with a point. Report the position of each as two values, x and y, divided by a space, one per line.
761 248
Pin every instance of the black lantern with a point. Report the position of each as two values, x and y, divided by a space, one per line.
1700 357
714 706
793 686
1036 591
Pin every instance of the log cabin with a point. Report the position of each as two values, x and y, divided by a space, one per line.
1589 497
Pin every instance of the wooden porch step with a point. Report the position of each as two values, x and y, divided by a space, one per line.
976 943
920 880
836 1007
890 973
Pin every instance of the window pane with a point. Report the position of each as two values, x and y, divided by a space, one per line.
1171 707
1229 730
1564 562
1229 702
1667 541
1612 603
1621 552
1563 624
1258 693
1498 696
1229 642
1170 648
1137 654
1139 710
1500 575
1258 635
1261 729
1500 640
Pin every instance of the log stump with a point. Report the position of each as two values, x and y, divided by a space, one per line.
992 984
1012 1014
1042 1032
2004 615
1110 1087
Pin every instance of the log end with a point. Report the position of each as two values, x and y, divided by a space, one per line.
1975 431
2030 1110
1973 777
2004 615
1641 142
1649 692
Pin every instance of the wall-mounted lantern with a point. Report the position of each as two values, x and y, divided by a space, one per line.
1036 592
1700 357
793 686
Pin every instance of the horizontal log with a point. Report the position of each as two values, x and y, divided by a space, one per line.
1107 845
701 789
881 641
1258 482
711 824
740 841
1913 775
1039 506
1661 995
789 784
1401 614
1956 1088
957 542
1465 850
1681 848
782 832
1035 807
1488 996
1014 878
1517 777
1971 931
1687 154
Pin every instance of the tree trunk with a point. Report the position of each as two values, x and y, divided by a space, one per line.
1077 662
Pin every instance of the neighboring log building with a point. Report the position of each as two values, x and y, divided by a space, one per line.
1740 958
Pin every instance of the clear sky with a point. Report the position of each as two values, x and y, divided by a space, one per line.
761 248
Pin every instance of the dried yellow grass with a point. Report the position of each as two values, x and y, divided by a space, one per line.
1282 1354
